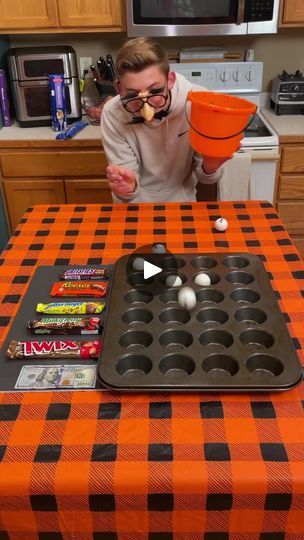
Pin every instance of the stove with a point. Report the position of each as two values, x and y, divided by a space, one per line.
287 93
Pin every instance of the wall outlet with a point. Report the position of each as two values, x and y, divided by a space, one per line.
85 63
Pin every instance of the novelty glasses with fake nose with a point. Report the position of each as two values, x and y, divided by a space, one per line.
155 98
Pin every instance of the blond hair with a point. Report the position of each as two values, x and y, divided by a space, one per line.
140 53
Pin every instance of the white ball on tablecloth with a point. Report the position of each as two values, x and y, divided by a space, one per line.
159 248
221 224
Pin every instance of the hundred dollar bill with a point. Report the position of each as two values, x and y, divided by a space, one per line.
56 376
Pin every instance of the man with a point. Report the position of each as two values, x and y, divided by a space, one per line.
145 132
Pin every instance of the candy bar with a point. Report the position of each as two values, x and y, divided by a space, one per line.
70 308
65 325
78 274
80 288
54 349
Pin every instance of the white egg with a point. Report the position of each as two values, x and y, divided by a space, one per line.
138 263
186 298
202 279
221 224
173 281
159 248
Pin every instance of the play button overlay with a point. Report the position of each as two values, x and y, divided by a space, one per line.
150 269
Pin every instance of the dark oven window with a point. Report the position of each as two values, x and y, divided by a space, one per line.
37 101
40 68
184 11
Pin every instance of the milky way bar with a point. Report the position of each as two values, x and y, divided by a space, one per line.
65 325
79 288
70 308
78 274
54 349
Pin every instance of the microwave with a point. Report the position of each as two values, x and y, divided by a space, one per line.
201 17
28 69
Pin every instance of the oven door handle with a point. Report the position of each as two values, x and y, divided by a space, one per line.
240 18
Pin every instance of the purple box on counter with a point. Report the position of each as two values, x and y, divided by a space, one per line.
4 103
58 105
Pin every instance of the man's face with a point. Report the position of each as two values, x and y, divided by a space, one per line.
51 375
150 83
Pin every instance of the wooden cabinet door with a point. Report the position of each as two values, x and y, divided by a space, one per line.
90 13
53 163
22 193
293 12
28 14
88 191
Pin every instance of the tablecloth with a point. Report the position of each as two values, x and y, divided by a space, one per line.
118 466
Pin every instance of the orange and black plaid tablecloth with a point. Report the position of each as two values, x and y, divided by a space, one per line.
108 466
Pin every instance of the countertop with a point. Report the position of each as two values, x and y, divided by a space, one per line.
289 127
45 137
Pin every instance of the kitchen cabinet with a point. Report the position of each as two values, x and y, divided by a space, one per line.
290 192
22 193
82 191
43 174
89 13
41 16
292 13
28 14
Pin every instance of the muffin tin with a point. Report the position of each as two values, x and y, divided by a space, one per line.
235 339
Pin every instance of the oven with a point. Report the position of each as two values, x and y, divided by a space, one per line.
201 17
243 79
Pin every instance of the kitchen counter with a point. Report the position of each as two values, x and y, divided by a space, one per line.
45 136
289 127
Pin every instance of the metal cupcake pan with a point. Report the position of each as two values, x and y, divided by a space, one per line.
235 339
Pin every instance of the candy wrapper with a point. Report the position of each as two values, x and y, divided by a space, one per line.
70 308
83 288
54 349
66 325
79 274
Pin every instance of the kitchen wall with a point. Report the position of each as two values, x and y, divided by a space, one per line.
278 51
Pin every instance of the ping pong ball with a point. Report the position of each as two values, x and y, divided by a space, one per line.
186 298
202 279
173 281
221 224
159 248
138 264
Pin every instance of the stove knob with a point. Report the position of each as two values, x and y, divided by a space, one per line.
249 76
224 76
295 88
236 76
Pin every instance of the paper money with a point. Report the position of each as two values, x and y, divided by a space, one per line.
56 376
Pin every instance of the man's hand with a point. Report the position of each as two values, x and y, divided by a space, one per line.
121 181
212 164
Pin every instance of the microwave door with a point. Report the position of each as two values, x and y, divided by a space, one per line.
185 17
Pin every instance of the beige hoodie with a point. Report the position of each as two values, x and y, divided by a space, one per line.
158 151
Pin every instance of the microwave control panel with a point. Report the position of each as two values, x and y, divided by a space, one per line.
223 76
